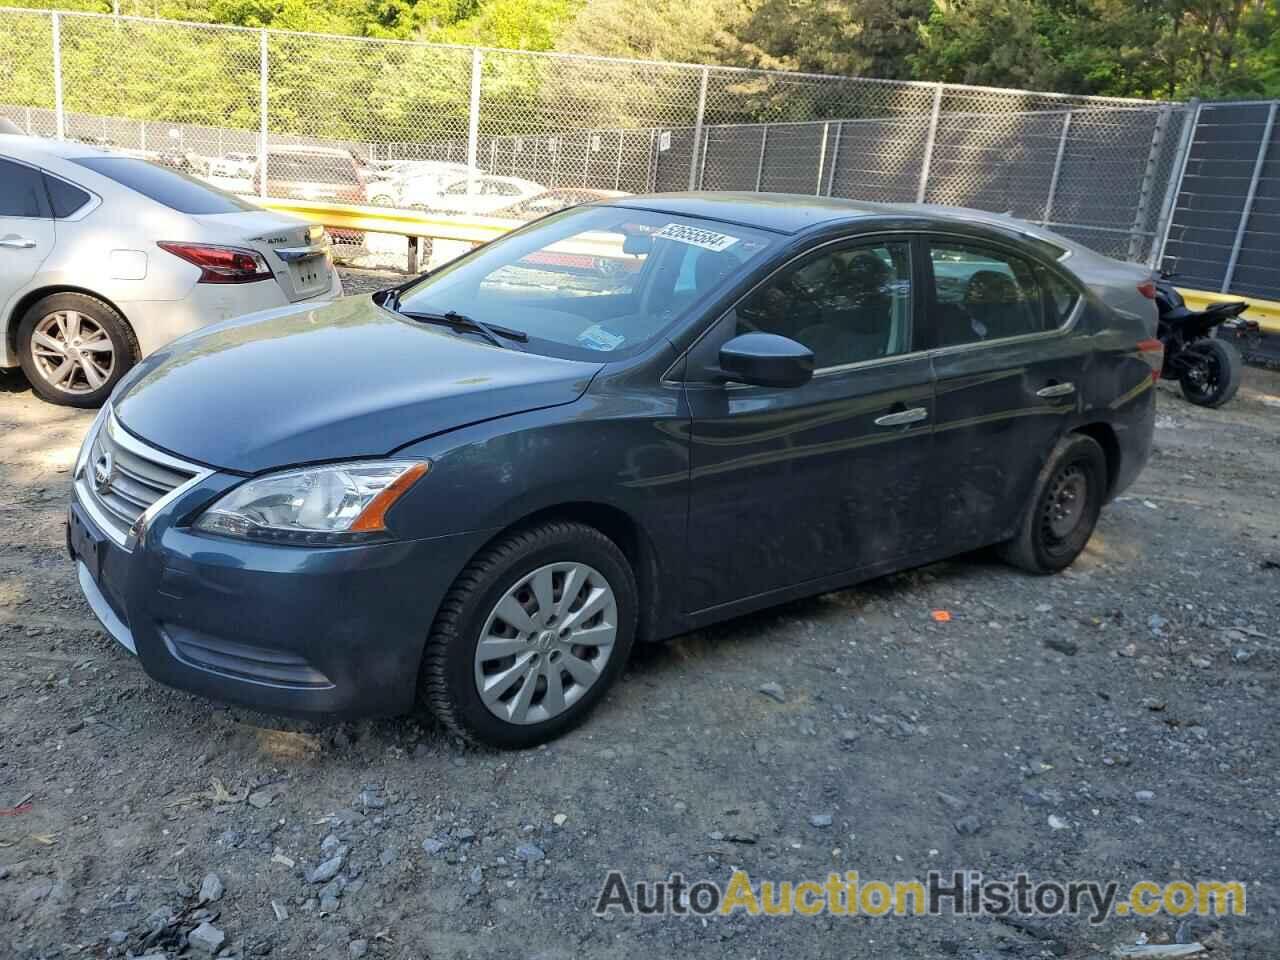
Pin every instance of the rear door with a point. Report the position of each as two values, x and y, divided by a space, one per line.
26 229
791 485
1009 366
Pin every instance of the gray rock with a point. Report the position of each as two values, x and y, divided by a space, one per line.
358 948
951 802
371 799
279 910
530 852
1242 655
118 936
327 870
432 846
821 820
206 938
1144 796
328 904
211 888
463 834
477 875
968 825
263 798
1065 647
330 844
388 857
773 691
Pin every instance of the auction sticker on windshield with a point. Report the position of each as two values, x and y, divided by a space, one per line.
697 237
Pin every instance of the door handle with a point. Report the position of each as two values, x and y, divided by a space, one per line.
914 415
17 242
1056 390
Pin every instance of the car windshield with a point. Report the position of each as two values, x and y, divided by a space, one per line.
592 283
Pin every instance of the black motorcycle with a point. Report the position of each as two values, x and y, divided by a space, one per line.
1208 367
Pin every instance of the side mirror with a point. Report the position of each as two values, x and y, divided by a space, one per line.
766 360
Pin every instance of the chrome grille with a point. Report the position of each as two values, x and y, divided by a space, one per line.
122 477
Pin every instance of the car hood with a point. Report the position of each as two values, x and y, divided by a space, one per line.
332 381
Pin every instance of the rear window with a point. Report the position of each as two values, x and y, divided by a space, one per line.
175 190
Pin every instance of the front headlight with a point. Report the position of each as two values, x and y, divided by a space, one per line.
332 504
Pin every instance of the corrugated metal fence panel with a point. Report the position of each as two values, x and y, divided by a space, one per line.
1211 200
1258 267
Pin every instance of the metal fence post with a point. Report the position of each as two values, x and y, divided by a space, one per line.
822 159
1057 170
617 172
930 137
59 115
263 69
473 122
835 158
697 129
764 142
1161 240
1258 164
1148 180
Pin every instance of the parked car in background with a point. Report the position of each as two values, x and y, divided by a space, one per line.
478 195
311 173
508 474
416 184
105 258
549 201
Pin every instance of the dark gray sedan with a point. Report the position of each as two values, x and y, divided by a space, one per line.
479 490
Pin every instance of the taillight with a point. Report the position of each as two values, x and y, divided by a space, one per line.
1148 289
1153 352
219 264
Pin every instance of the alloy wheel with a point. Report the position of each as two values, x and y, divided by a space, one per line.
72 352
546 642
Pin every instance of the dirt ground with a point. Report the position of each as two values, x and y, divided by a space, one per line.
1130 700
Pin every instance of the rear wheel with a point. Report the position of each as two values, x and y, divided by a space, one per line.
1213 372
74 349
531 635
1064 507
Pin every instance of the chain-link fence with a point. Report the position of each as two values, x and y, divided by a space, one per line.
480 131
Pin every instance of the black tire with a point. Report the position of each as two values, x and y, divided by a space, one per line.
1048 541
447 684
123 342
1218 378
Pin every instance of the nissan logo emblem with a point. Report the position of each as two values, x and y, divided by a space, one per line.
102 470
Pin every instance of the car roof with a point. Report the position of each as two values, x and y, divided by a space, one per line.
17 145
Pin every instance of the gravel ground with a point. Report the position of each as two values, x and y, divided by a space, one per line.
1130 699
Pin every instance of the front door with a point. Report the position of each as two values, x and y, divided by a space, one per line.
791 485
1008 371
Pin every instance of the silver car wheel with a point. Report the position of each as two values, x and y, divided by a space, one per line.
546 642
72 352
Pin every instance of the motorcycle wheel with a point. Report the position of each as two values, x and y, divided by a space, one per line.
1212 376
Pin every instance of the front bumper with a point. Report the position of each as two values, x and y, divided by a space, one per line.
330 632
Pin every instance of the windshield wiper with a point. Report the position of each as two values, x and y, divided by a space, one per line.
451 318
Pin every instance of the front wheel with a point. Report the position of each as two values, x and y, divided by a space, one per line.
1212 373
1064 507
531 635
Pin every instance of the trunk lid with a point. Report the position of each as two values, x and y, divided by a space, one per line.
297 252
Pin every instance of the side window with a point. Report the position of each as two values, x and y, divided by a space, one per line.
22 192
847 305
64 198
1059 298
982 294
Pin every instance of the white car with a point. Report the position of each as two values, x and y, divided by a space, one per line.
104 258
478 194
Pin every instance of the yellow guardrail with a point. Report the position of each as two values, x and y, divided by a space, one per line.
405 223
1266 312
